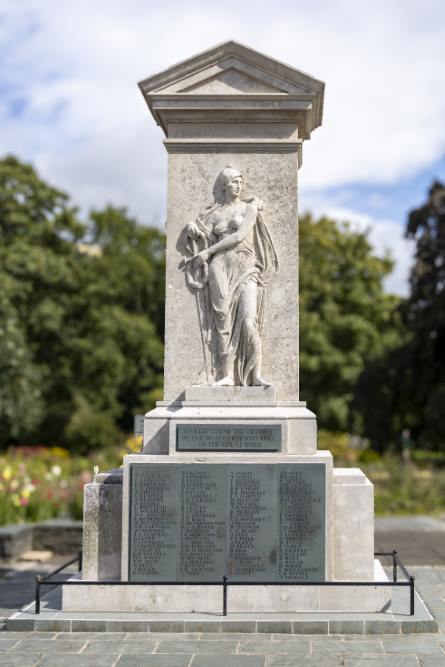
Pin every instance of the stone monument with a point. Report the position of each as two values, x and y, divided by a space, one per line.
229 481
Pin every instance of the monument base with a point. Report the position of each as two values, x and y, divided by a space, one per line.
240 599
349 549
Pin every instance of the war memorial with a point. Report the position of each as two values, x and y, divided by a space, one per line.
229 491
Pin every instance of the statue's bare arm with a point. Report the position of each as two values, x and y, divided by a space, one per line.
233 239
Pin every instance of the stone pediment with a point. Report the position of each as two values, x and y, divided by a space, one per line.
233 76
230 81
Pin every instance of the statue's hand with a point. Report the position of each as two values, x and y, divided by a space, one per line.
193 231
202 257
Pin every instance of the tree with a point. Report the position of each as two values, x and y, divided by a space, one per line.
409 383
346 318
424 317
82 314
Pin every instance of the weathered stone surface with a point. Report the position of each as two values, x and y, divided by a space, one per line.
298 424
102 534
353 548
254 117
207 395
273 178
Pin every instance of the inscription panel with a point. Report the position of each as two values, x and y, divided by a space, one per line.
253 522
229 437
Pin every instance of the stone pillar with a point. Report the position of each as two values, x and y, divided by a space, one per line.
233 106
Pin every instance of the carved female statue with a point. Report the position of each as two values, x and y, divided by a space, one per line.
232 258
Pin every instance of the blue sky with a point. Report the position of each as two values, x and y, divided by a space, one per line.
70 104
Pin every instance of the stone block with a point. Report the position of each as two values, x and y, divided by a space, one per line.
213 626
97 598
298 424
274 627
52 625
102 534
166 626
88 625
346 627
155 435
353 533
382 627
197 599
313 627
357 598
238 626
127 626
208 395
274 599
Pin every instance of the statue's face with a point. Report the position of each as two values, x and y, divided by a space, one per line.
235 185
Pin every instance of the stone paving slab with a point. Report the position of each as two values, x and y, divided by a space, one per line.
224 650
20 659
229 661
65 660
157 661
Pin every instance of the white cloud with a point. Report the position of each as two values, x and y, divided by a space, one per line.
386 236
69 70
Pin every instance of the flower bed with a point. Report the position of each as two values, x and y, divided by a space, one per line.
40 482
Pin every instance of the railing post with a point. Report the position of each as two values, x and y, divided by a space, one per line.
225 595
80 561
37 605
411 596
394 565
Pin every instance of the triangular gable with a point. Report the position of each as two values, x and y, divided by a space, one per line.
208 64
230 81
229 75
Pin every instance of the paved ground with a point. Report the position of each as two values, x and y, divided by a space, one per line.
17 583
420 540
26 649
413 538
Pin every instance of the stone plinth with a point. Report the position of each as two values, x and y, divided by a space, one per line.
298 424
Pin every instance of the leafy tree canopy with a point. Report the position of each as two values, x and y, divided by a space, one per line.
346 318
81 312
424 316
409 383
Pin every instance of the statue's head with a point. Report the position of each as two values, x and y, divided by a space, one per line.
224 178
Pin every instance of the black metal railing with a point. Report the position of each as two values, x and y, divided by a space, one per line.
225 583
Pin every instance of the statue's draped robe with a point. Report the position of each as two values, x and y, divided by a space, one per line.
232 292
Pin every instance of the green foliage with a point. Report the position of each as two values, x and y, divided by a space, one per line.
406 489
346 318
424 316
408 384
81 314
